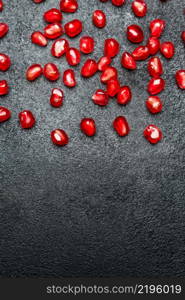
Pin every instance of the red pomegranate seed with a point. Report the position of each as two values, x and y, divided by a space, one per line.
5 114
33 72
88 127
156 85
153 134
100 98
141 53
99 19
183 36
51 72
4 88
53 31
73 56
135 34
180 79
59 137
39 39
113 87
154 104
108 74
124 96
157 27
59 48
38 1
68 6
27 119
153 45
128 61
5 62
121 126
103 63
3 29
167 49
53 16
89 68
69 78
73 28
118 2
86 44
139 8
57 97
111 48
1 5
104 0
155 67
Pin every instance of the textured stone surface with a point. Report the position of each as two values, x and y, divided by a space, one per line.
101 206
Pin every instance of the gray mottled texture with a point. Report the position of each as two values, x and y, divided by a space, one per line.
101 206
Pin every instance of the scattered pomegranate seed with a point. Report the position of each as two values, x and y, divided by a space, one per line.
156 85
86 44
1 5
100 98
103 63
59 48
99 19
113 87
53 16
183 36
128 61
57 97
141 53
5 114
59 137
33 72
157 27
139 8
167 49
27 119
51 72
89 68
69 78
155 67
153 45
88 127
53 31
5 62
153 134
3 29
118 2
180 79
73 28
73 56
135 34
124 96
108 74
38 1
111 48
121 126
39 39
68 6
154 104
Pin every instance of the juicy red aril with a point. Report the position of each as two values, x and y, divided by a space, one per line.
180 79
5 114
53 16
154 104
88 126
103 63
51 72
69 78
59 137
1 5
86 44
135 34
111 48
39 39
108 74
59 47
118 2
128 61
100 98
53 31
157 27
99 19
153 134
183 36
153 45
155 67
121 126
4 88
141 53
156 85
69 6
5 62
3 29
139 8
124 95
38 1
33 72
27 119
57 97
89 68
73 28
167 49
73 56
113 87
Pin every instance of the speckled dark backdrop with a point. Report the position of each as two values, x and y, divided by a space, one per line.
101 206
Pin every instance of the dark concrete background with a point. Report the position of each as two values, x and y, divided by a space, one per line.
102 206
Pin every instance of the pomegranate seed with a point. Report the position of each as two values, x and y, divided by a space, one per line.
124 96
53 31
167 49
68 6
113 87
155 67
118 2
33 72
111 48
38 1
4 88
27 119
5 114
53 16
69 78
89 68
121 126
51 72
183 36
157 27
73 56
100 98
139 8
88 127
103 63
156 85
1 5
5 62
180 78
135 34
108 74
57 97
154 104
153 134
141 53
3 29
59 48
128 61
59 137
39 39
99 19
73 28
153 45
87 44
